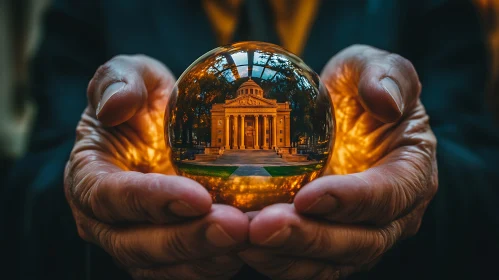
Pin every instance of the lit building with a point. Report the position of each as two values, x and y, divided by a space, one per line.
250 121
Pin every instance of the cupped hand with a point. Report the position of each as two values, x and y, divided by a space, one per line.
124 193
377 185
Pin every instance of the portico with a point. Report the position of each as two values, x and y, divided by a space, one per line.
250 121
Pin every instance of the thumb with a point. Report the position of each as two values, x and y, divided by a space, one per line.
386 84
121 87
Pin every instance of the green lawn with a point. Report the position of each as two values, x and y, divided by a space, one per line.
292 170
205 170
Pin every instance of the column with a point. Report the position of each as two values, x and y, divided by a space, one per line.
227 131
265 126
287 133
274 132
242 133
256 132
234 140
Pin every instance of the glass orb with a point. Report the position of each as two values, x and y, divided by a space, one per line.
252 123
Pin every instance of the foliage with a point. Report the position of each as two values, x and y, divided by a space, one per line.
216 78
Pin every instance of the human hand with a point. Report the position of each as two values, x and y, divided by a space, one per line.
156 226
377 185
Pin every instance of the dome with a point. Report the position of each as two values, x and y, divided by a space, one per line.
250 87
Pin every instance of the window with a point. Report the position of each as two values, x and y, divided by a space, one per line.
246 91
266 140
249 124
219 140
280 140
267 131
280 131
251 91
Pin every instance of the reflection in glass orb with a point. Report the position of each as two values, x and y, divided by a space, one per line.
252 123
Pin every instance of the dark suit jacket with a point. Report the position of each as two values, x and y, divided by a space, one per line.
442 38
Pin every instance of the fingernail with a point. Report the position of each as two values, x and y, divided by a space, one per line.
393 90
108 93
278 238
217 236
181 208
324 204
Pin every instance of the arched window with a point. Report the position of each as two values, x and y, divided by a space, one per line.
251 91
246 91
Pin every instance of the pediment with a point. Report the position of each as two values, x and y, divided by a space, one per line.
250 101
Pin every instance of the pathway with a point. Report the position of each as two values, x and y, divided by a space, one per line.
250 171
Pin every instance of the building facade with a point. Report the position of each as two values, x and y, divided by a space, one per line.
250 121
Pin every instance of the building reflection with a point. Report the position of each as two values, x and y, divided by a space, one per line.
247 98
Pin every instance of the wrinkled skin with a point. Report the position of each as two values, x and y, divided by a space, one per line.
156 226
381 178
377 186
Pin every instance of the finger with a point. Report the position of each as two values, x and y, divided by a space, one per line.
280 229
251 214
385 83
391 189
284 267
219 232
120 87
137 197
222 267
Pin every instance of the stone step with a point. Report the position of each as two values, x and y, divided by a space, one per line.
205 157
295 158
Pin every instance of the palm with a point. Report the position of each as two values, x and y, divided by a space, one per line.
154 225
137 144
362 139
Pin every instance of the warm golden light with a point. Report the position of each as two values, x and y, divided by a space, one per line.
252 123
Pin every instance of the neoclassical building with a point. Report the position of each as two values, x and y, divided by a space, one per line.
250 121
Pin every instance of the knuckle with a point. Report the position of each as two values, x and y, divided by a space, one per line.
373 245
402 200
376 248
386 238
361 249
106 72
399 60
83 231
176 247
103 237
317 242
140 205
131 197
122 249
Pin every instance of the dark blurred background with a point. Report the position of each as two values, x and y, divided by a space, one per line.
20 32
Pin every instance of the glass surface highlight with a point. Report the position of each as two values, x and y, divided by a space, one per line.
252 123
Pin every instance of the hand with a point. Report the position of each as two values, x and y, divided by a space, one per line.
385 174
156 226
